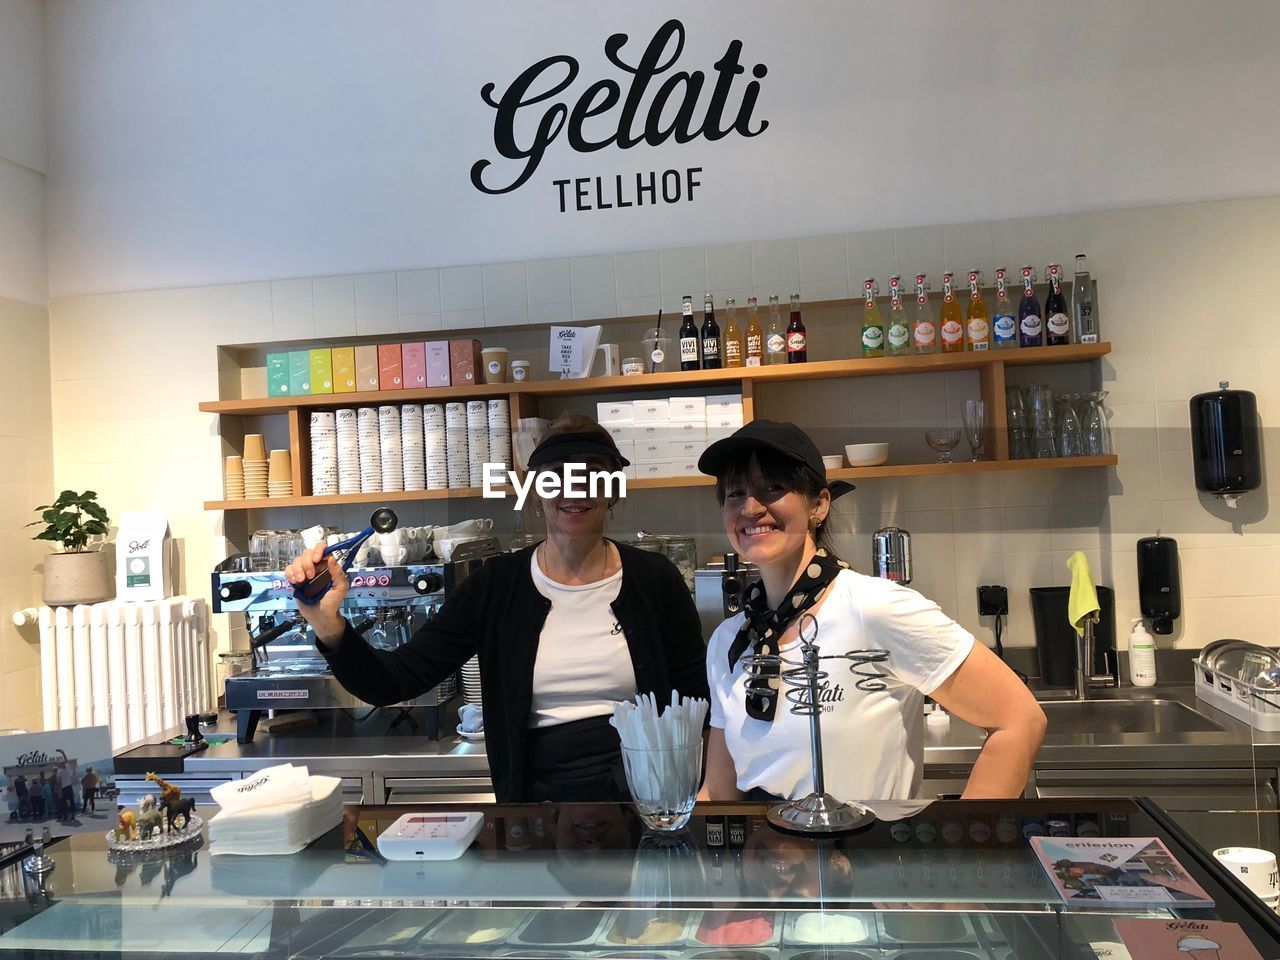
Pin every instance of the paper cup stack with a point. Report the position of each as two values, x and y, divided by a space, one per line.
324 453
471 681
233 479
433 446
370 450
392 455
455 442
411 447
477 440
348 451
255 467
500 433
280 474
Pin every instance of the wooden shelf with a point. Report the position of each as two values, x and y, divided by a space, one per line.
968 466
399 496
818 370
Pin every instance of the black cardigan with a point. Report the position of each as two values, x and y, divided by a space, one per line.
497 613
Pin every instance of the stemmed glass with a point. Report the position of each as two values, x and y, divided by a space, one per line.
975 426
1019 448
1097 432
942 440
1070 437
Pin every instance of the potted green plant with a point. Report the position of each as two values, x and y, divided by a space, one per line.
80 573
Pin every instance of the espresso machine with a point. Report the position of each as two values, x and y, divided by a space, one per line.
719 588
385 604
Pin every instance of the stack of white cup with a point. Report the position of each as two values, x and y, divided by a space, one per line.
500 432
411 448
477 440
433 446
370 450
324 453
389 441
1256 869
348 451
455 439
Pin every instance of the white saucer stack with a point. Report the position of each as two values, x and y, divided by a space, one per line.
471 681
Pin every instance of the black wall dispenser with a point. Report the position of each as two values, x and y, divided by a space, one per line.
1159 582
1226 444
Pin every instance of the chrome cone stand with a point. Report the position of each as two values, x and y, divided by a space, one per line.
819 812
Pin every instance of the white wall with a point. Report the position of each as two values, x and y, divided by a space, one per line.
212 141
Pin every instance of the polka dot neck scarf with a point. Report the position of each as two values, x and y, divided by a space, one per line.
763 629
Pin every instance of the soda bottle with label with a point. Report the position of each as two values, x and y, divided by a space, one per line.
711 359
733 347
924 332
1084 312
755 336
1056 322
872 324
977 319
1004 327
775 338
1030 324
797 339
898 334
950 319
690 352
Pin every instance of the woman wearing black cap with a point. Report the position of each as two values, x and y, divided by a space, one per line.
775 501
562 630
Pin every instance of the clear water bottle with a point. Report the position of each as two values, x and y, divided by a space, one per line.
1084 311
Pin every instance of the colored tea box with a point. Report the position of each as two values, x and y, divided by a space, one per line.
344 369
413 358
278 375
438 373
390 367
300 373
366 368
464 362
322 371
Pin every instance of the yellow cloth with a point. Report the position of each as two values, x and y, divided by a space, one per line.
1082 602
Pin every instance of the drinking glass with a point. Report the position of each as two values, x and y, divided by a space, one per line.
664 783
942 440
657 351
1019 447
1097 432
262 551
975 426
1042 432
1070 437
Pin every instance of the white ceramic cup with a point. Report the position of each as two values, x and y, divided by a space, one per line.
1255 868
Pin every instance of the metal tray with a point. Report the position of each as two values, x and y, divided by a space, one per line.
949 928
870 936
530 933
728 916
448 931
684 918
394 935
939 952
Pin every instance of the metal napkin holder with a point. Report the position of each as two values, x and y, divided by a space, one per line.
819 812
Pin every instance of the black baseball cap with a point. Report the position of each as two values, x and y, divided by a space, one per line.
784 438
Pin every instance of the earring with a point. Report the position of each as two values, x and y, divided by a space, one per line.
537 509
610 511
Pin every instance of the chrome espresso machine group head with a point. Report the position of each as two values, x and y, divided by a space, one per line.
386 604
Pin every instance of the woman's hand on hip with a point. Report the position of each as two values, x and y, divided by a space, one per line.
324 617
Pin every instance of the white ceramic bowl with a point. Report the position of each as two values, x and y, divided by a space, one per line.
833 462
867 454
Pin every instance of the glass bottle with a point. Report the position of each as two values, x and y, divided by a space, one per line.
1004 327
1083 310
775 338
872 324
924 332
1057 324
733 347
755 336
898 333
689 349
977 318
797 339
1030 326
950 319
711 359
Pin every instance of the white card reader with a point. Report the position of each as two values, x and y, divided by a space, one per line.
430 836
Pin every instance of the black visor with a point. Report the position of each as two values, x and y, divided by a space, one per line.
574 448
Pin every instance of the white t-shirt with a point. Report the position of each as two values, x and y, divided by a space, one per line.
872 741
583 662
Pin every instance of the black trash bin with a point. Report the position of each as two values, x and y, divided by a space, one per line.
1056 638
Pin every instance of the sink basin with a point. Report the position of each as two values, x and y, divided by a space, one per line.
1124 716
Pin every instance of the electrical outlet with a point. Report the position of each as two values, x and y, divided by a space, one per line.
993 601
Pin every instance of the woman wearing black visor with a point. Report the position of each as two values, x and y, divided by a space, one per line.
561 629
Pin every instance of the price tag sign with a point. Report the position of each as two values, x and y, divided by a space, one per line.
572 350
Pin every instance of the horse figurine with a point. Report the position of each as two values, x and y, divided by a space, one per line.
128 826
175 805
150 819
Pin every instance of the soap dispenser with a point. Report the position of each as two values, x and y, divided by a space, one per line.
1142 656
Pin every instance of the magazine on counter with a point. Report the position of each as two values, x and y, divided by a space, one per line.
1112 871
1183 939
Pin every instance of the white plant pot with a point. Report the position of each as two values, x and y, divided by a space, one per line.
71 578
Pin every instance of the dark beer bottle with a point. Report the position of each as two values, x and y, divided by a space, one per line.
1056 322
710 337
688 337
797 340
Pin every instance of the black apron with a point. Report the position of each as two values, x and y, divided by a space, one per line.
575 762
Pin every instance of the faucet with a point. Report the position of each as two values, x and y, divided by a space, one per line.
1084 666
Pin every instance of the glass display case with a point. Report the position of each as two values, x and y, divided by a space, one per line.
944 881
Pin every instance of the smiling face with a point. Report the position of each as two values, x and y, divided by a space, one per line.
575 516
767 516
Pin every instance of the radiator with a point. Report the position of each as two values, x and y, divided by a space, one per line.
136 667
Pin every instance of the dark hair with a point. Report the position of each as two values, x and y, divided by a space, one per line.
790 474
